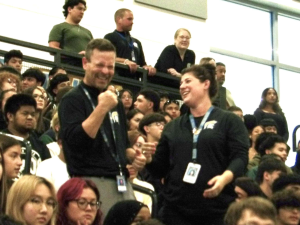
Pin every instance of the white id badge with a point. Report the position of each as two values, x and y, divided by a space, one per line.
191 173
121 182
132 55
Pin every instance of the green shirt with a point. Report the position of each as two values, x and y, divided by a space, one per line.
73 38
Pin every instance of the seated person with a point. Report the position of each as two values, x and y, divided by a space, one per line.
268 171
78 198
246 187
9 81
14 58
269 125
172 107
254 210
127 212
32 77
287 181
287 203
32 199
237 111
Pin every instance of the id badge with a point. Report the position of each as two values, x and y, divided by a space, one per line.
121 182
191 173
132 55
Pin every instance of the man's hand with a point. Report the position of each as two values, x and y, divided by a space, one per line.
148 149
107 100
132 65
151 70
139 161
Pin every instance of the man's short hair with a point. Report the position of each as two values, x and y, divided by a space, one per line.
248 185
71 3
151 96
100 44
234 108
269 163
55 69
220 64
11 54
285 180
259 206
267 141
203 73
15 102
268 122
286 198
150 118
35 73
59 78
120 13
163 94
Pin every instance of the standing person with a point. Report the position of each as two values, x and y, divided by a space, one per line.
69 35
224 99
198 179
129 50
269 108
175 58
93 126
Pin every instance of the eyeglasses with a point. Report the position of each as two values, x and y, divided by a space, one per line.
171 101
39 97
159 124
83 203
184 37
11 81
38 202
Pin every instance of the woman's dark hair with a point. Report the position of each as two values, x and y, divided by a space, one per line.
40 126
130 92
71 190
275 106
203 73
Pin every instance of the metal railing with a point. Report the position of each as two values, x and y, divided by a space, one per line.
160 81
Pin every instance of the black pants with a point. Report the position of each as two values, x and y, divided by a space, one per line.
170 216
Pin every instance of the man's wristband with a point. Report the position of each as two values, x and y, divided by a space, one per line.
125 61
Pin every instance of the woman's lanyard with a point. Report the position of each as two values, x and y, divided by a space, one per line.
115 156
197 131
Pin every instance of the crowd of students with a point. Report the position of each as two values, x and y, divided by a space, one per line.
237 157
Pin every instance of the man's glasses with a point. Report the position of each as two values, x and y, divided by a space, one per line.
83 203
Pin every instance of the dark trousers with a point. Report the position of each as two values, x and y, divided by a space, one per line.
170 216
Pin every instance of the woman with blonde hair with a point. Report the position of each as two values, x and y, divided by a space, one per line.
175 58
32 200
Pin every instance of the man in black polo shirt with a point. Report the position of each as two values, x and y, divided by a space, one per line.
129 50
93 126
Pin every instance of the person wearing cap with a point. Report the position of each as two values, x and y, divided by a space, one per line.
33 77
58 82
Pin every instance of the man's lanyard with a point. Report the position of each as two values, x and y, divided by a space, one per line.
115 156
128 39
196 132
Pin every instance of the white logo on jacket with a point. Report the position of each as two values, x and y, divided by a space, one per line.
210 124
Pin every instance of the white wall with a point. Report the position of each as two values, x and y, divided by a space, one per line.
32 21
